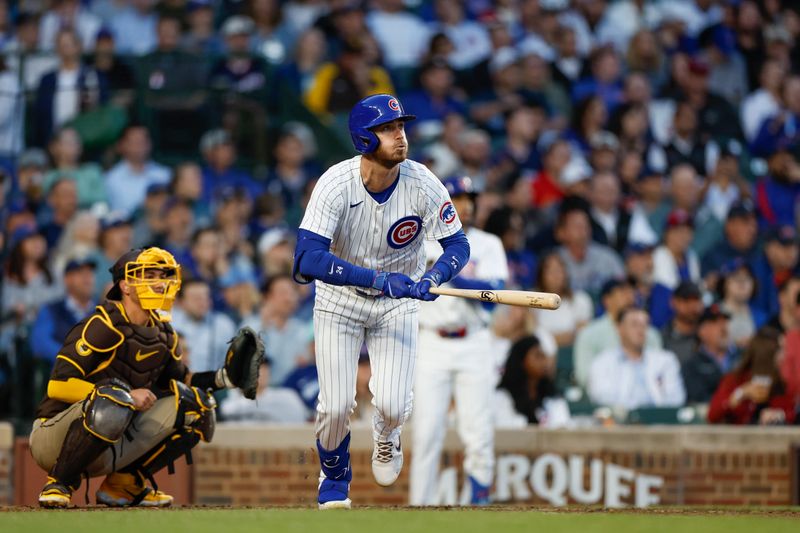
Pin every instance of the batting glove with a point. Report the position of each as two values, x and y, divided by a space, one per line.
421 289
393 285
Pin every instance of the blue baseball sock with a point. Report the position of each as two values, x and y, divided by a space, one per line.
336 463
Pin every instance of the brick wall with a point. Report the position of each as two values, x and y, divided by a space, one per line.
698 466
6 463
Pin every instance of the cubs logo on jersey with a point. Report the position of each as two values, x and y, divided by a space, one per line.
447 213
404 231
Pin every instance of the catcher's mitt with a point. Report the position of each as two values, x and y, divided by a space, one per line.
243 360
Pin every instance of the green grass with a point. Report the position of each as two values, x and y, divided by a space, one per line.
390 521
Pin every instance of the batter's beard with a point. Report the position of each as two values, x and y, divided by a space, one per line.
390 160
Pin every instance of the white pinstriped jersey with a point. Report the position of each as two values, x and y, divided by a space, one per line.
487 262
385 236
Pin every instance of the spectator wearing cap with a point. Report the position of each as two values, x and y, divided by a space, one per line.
27 281
739 242
135 28
275 252
754 393
778 45
735 290
69 90
403 37
765 101
470 38
239 292
576 306
489 105
240 70
57 318
116 238
274 405
674 260
339 84
612 223
62 204
601 333
633 375
201 38
679 330
119 76
716 117
128 180
280 330
219 168
68 14
28 192
781 131
207 331
715 356
66 149
436 97
774 266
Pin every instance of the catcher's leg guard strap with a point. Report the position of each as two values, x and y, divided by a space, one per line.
196 410
164 454
335 464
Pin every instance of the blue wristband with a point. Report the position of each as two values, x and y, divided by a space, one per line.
380 280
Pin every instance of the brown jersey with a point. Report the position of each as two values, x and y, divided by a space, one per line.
107 345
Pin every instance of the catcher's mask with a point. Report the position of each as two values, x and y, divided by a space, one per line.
156 293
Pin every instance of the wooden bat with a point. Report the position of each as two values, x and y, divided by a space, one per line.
539 300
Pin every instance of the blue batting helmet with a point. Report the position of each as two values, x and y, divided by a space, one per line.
370 112
458 185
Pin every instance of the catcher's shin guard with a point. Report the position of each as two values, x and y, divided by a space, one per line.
107 412
195 421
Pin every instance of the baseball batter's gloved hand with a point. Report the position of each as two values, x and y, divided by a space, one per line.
393 284
243 360
421 289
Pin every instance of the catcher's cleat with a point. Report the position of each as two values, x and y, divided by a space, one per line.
55 495
124 490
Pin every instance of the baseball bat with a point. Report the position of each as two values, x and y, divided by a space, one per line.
539 300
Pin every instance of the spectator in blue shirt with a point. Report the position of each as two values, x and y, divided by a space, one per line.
219 154
56 319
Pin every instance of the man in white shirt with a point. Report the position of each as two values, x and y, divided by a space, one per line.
765 101
601 333
68 14
634 376
128 180
206 332
402 36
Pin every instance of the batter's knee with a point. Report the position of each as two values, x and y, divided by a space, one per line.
392 413
338 412
108 412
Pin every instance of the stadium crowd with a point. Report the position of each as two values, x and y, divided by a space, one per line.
638 157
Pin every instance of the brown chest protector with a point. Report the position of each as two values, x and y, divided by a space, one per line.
141 358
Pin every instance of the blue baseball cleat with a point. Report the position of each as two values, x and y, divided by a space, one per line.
333 493
480 493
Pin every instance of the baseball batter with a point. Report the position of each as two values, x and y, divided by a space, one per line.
360 239
456 361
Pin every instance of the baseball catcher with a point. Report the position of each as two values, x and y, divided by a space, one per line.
120 402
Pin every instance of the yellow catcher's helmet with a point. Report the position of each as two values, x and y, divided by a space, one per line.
134 268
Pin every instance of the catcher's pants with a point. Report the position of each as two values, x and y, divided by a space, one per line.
462 368
390 330
147 430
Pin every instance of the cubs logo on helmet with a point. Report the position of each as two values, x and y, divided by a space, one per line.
404 231
447 213
394 105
